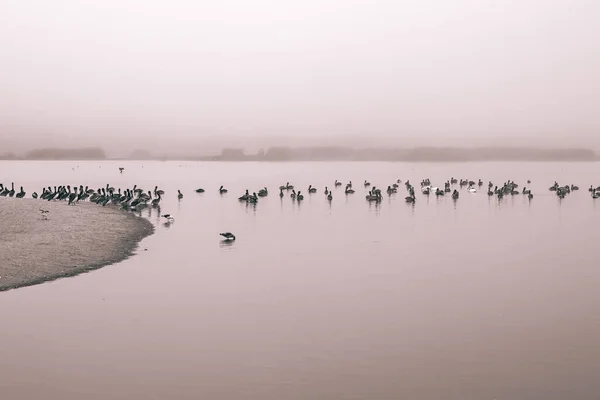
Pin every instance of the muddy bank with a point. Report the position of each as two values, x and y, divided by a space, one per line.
65 241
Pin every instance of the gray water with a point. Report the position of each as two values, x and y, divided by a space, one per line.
473 299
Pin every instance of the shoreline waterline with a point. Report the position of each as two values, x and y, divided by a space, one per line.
65 241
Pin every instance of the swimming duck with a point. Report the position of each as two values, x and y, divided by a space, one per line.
373 197
228 235
245 196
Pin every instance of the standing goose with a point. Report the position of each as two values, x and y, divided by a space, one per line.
156 201
329 196
12 191
179 194
326 191
21 194
73 195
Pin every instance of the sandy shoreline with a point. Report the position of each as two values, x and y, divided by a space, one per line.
73 239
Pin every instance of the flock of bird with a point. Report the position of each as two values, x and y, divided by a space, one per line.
136 199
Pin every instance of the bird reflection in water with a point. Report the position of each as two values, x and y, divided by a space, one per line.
250 207
226 244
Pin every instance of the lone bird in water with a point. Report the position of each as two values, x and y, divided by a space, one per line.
228 235
168 217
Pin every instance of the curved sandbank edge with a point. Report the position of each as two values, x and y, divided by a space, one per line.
128 243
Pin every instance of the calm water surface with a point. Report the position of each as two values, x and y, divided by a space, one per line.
474 299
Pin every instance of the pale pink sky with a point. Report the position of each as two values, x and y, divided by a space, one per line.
314 68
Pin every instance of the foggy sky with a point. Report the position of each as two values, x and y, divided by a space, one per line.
419 70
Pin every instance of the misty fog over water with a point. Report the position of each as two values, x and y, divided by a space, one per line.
187 76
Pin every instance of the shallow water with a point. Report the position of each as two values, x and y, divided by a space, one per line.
473 299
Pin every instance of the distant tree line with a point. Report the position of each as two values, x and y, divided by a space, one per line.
336 153
8 156
429 154
86 153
